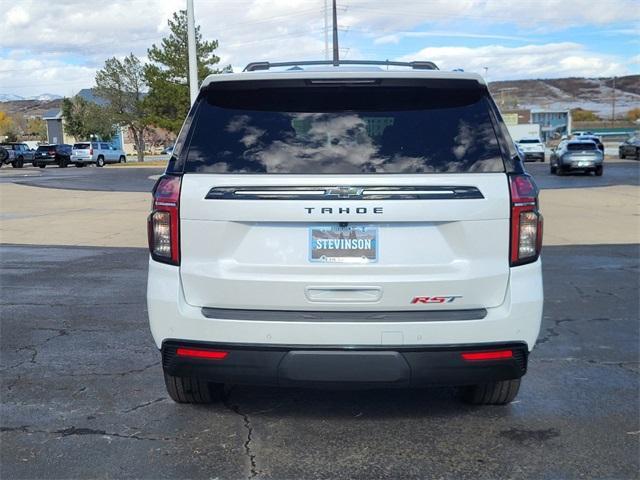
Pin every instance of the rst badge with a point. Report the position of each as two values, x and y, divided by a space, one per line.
443 299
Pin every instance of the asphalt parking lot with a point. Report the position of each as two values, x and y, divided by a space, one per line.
82 391
136 179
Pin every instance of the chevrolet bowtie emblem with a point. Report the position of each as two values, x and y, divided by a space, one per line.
344 192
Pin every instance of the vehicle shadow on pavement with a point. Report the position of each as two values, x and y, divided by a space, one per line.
348 403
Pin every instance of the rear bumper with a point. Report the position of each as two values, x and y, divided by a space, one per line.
45 160
533 156
82 159
340 366
517 319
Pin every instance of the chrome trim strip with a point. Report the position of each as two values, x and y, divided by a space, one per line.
255 192
329 316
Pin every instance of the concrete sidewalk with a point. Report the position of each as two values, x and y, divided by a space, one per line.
47 216
43 216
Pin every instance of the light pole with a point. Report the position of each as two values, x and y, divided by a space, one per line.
326 29
191 48
613 104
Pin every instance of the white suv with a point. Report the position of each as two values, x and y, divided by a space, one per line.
100 153
532 149
340 226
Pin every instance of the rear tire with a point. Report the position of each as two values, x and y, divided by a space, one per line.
553 170
497 393
100 161
19 163
122 159
599 170
192 390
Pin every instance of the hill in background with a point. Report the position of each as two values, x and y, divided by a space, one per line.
595 94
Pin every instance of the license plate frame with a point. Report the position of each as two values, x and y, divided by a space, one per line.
350 238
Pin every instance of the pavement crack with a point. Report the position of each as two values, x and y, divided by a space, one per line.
142 405
66 432
633 367
33 348
74 431
113 374
226 400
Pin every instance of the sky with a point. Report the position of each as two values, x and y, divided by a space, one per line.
56 46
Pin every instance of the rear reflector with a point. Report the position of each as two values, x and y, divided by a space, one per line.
493 355
199 353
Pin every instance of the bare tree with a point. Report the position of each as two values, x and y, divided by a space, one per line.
122 84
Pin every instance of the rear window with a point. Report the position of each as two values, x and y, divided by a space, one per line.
434 127
581 146
81 146
45 148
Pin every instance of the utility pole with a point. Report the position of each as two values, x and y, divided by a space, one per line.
326 29
336 50
191 47
613 104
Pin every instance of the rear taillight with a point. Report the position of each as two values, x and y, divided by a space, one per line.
52 152
91 151
164 220
526 220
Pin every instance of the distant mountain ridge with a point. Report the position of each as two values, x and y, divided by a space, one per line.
594 94
10 97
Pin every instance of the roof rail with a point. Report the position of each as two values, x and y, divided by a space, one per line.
419 65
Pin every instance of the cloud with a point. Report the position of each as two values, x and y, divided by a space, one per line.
72 38
46 73
17 17
397 37
530 61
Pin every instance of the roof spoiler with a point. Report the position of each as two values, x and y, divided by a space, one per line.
416 65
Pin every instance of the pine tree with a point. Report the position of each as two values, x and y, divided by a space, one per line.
168 73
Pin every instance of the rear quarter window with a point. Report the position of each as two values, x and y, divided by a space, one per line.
300 129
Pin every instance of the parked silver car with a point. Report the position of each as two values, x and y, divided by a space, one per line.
580 155
100 153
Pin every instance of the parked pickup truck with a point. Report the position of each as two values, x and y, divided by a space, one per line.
19 153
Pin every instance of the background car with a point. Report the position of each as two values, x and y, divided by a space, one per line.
19 154
99 153
167 150
532 149
630 148
4 155
577 155
52 154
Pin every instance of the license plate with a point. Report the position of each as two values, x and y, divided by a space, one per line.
350 244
